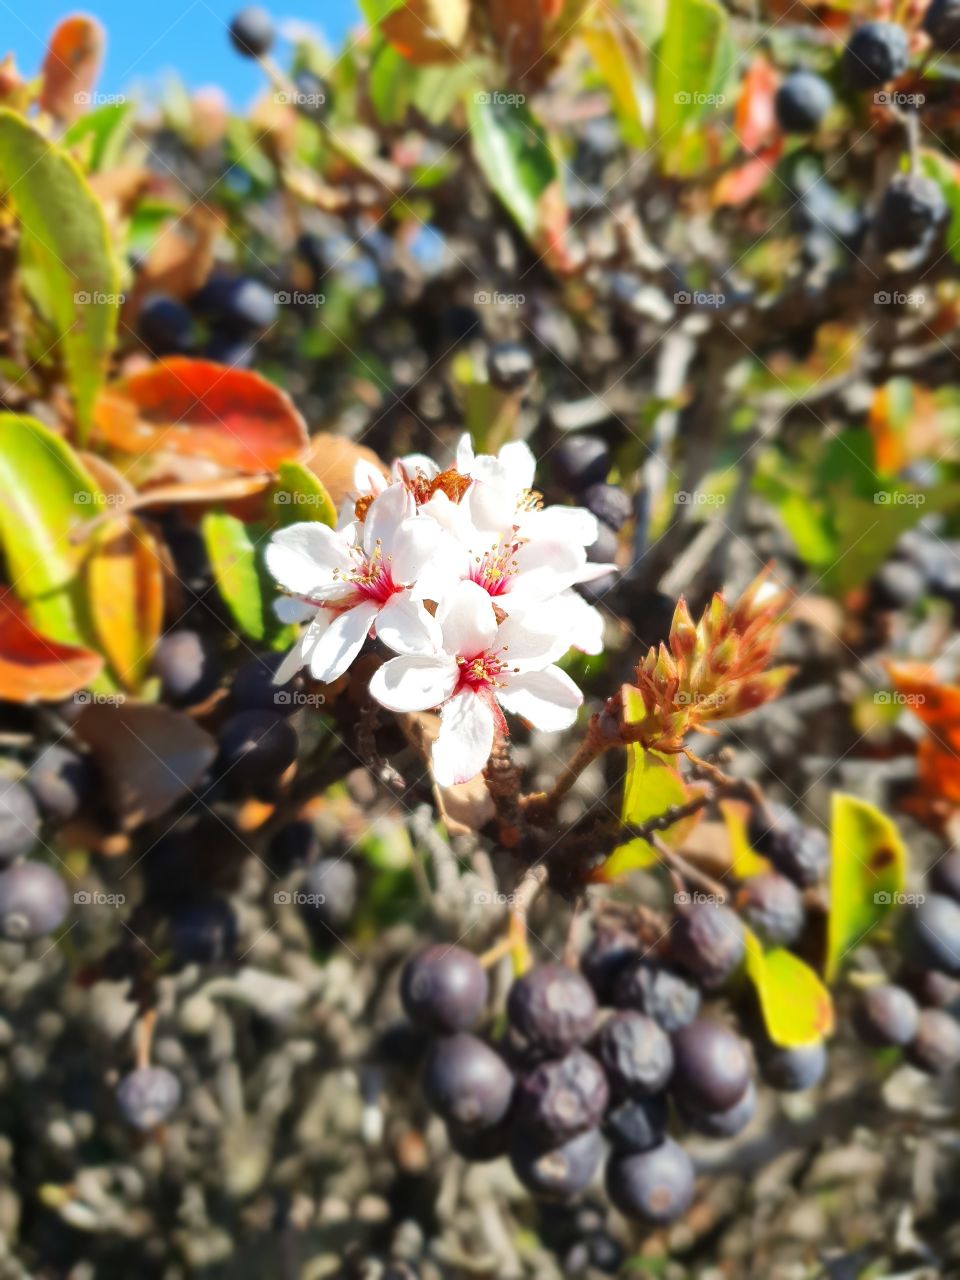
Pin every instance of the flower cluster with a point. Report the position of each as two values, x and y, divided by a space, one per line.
711 670
467 577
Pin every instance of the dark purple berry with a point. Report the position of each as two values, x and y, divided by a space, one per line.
608 503
60 780
256 749
552 1009
798 852
942 24
707 941
147 1096
931 934
444 989
561 1097
253 687
328 895
186 666
655 1186
722 1124
608 954
661 992
911 209
19 821
711 1066
930 989
251 32
203 931
637 1124
559 1172
944 876
636 1054
509 366
581 461
877 52
33 901
481 1145
772 906
802 100
898 584
886 1016
936 1046
466 1083
165 326
793 1070
311 95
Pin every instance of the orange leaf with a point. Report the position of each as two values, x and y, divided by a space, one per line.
754 120
125 588
232 417
332 460
427 31
149 756
518 30
742 184
34 668
71 67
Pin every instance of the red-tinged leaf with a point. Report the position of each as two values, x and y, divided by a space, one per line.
427 31
149 756
332 460
517 27
34 668
125 593
71 67
754 120
230 416
743 183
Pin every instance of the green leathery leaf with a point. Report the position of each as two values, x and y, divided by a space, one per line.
512 150
64 237
797 1008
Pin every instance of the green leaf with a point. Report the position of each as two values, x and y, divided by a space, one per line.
391 84
512 150
64 235
233 558
651 787
100 134
945 173
45 496
693 64
797 1008
613 54
300 495
868 868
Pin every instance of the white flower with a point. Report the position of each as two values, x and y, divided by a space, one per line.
350 582
464 662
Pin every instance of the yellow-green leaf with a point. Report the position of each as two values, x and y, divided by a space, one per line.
744 861
300 495
233 559
797 1008
868 870
652 787
612 49
64 239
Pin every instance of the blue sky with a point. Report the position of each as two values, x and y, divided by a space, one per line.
146 38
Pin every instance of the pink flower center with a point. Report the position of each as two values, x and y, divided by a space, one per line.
494 569
371 580
480 673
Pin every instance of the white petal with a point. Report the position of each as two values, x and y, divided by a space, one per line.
593 570
465 740
302 651
413 544
415 682
518 463
529 641
411 463
303 557
561 524
384 516
465 455
467 619
585 623
547 699
406 627
289 610
449 565
342 641
490 506
367 478
545 568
